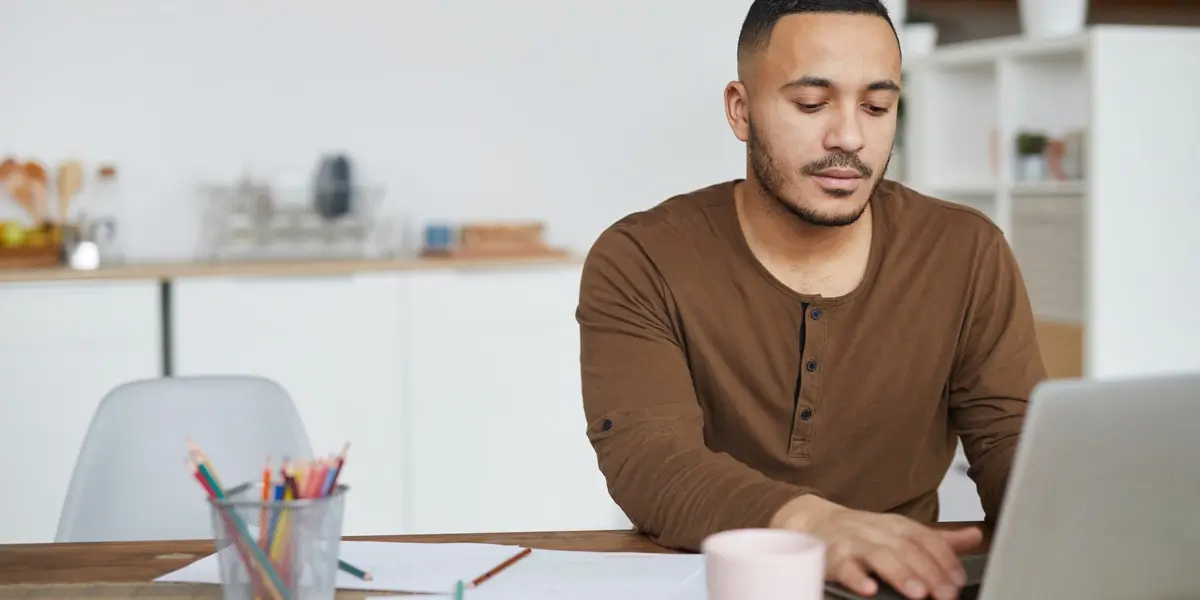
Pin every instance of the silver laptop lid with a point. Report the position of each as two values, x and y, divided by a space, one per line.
1104 498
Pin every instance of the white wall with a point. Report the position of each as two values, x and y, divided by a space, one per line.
572 112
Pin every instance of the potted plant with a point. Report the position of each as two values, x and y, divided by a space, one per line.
1031 159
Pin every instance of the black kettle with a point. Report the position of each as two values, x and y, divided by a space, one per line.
334 193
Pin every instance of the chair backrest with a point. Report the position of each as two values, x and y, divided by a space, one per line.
131 481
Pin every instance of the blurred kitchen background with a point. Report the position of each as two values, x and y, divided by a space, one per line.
382 206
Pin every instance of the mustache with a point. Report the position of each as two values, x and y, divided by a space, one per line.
847 160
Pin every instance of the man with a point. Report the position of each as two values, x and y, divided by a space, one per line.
803 348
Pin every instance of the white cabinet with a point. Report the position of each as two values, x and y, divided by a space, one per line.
496 432
66 345
458 389
335 344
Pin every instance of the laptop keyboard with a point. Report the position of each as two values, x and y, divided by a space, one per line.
969 592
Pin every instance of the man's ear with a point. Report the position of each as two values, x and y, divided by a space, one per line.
737 110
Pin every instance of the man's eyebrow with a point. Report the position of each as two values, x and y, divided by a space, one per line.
809 81
883 85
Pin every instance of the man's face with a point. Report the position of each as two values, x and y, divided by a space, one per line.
820 113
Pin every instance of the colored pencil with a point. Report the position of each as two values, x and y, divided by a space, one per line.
275 515
458 590
281 541
240 531
205 482
502 566
262 512
289 479
258 576
355 571
203 459
341 460
329 476
314 480
299 470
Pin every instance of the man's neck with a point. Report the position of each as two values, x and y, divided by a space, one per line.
779 236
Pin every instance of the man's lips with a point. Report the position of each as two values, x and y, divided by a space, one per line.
839 174
838 179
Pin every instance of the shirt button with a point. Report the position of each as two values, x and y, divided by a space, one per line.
806 414
811 366
607 424
815 314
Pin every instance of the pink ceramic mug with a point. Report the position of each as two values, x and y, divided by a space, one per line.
764 564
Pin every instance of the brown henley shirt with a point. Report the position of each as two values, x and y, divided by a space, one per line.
714 394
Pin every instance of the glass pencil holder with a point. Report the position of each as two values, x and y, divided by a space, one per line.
277 549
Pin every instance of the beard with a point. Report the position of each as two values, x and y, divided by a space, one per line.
770 177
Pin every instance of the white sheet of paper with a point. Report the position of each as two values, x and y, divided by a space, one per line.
395 567
569 575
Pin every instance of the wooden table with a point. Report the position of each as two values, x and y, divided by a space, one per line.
112 570
119 570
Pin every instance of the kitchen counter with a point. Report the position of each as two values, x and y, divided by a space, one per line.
166 271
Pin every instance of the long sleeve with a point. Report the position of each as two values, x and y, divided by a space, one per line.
997 367
643 417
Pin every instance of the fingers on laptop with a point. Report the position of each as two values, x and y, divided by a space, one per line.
963 540
915 560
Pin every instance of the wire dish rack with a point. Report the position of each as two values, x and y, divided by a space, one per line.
257 221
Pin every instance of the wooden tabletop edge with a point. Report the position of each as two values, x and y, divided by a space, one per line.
629 534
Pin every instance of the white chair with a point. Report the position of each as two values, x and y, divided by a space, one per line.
131 481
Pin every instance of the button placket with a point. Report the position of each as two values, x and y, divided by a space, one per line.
808 405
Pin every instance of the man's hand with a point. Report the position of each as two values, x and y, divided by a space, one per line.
916 560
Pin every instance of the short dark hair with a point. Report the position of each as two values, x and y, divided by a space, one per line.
764 14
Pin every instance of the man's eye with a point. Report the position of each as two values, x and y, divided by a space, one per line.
809 107
876 110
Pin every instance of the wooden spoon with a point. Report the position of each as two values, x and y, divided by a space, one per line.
35 175
70 179
18 187
9 165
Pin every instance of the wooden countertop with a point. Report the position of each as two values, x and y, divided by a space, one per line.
281 268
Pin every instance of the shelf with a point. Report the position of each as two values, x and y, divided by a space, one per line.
1020 188
280 268
953 127
980 198
963 189
1049 188
1047 93
986 53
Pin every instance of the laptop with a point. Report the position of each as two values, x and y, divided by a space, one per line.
1103 500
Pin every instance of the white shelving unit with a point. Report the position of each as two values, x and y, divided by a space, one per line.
1112 259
